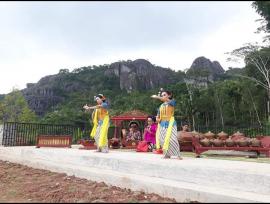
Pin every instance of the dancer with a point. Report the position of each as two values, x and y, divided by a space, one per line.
100 119
166 135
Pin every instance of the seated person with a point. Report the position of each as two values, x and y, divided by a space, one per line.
150 132
185 133
132 134
185 127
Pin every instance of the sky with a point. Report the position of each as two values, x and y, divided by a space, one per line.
40 38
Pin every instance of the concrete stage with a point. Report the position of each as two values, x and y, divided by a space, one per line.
191 179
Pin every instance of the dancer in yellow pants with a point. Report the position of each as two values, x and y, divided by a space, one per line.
166 135
101 122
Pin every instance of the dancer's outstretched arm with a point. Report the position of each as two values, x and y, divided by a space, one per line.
160 98
155 97
91 107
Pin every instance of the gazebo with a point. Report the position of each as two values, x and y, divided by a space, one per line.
121 120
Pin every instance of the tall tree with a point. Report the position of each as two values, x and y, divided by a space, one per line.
257 59
15 108
263 8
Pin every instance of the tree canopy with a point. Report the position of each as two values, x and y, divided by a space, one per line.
14 108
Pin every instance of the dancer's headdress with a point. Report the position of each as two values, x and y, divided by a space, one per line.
101 96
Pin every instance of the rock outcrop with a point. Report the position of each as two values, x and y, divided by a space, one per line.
127 75
204 66
140 74
42 95
203 71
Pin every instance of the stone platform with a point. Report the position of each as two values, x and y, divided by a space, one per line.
191 179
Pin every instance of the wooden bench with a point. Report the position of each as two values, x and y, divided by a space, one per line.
54 141
264 148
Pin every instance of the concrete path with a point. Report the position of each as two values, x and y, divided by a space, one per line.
195 179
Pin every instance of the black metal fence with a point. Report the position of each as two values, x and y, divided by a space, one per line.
25 134
19 134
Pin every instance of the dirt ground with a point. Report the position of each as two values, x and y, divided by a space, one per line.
20 183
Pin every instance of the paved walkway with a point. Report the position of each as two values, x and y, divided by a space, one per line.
204 180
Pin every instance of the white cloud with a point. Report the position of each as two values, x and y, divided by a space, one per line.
39 38
232 35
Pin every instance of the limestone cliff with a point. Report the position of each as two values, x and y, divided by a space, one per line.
141 75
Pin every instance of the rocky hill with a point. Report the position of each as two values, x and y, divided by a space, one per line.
43 95
140 74
125 75
214 67
203 71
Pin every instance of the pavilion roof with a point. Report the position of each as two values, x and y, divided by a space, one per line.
131 115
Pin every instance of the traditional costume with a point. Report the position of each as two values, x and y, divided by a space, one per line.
101 122
166 136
